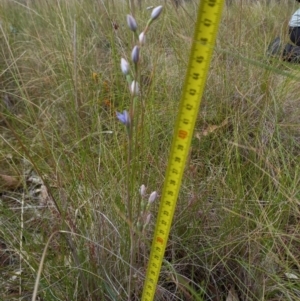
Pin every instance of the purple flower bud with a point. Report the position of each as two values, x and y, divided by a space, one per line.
147 220
142 38
131 23
134 88
153 196
135 54
143 190
156 12
124 66
124 117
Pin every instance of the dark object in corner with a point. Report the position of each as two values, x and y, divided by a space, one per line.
274 47
290 53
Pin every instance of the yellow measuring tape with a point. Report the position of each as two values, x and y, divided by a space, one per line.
209 15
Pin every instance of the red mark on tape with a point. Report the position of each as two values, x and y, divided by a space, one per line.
160 240
182 134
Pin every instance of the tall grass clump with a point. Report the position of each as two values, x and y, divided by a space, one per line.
87 110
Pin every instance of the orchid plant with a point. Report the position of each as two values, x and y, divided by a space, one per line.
138 215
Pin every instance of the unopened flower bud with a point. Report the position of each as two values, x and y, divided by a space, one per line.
156 12
134 88
124 66
153 196
135 54
143 190
131 23
142 38
147 221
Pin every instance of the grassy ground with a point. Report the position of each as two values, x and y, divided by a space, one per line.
63 155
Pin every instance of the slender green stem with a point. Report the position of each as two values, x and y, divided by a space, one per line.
129 202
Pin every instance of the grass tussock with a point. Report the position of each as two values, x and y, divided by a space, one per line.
63 155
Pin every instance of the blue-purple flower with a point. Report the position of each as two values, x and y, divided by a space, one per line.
124 117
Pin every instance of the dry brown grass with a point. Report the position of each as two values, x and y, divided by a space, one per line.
63 154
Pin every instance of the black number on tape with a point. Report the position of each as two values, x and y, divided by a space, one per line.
199 59
196 76
192 91
212 3
207 22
